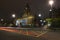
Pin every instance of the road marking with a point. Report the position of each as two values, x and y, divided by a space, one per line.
34 33
41 34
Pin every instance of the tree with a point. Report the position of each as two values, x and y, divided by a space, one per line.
56 18
56 12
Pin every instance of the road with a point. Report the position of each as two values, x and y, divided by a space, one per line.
36 32
13 34
5 35
51 35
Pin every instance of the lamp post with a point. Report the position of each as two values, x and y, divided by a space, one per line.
51 2
40 19
13 16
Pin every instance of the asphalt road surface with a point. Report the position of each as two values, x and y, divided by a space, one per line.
13 34
5 35
51 35
30 32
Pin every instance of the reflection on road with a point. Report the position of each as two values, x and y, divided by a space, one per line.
33 33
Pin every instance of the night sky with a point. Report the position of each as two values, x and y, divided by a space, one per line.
8 7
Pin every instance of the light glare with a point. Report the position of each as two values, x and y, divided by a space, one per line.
13 15
51 2
39 15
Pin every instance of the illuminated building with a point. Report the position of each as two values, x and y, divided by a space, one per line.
27 18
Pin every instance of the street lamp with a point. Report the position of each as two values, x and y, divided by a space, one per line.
51 2
13 15
50 10
39 15
13 20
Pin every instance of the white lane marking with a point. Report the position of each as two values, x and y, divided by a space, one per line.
41 34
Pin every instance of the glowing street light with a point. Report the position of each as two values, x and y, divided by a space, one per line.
51 2
39 15
13 15
50 10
